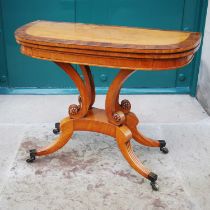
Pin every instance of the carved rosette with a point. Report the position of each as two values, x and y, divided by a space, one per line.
125 105
73 109
119 117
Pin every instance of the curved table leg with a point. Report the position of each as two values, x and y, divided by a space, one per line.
66 130
123 137
77 111
89 82
113 110
119 114
132 122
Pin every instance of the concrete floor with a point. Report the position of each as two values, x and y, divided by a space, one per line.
177 118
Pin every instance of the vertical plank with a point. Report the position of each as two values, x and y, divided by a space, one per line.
3 67
153 14
193 20
28 72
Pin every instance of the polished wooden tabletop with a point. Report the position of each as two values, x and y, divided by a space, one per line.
110 36
110 46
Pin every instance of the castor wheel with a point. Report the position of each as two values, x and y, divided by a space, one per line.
30 160
32 157
56 130
163 146
164 150
155 186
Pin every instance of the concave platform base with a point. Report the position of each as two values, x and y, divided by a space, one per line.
96 121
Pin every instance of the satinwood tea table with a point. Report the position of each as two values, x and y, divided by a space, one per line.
129 49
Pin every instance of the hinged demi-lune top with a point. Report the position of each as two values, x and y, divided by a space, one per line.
110 46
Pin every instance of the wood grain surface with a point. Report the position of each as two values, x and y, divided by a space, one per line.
105 37
108 46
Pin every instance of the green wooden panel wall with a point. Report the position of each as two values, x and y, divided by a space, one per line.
24 71
3 69
21 71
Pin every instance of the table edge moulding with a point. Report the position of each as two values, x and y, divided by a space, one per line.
130 50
